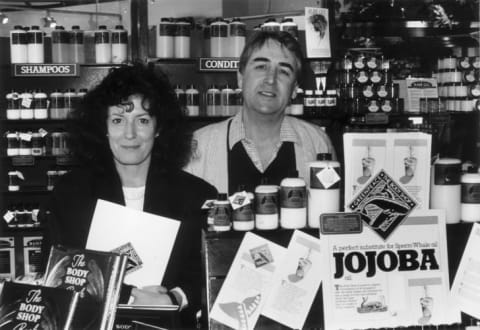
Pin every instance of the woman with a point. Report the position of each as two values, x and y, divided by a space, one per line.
128 136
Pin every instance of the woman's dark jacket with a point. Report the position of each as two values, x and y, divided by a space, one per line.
169 193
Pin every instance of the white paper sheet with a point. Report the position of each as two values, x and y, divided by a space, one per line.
148 240
248 283
296 282
402 281
466 286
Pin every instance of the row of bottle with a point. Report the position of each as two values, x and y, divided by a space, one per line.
221 37
39 143
462 63
456 190
218 102
38 105
453 104
287 206
16 179
22 215
27 45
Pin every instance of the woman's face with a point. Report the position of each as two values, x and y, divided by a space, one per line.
131 134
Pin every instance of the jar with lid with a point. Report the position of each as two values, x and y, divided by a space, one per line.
474 89
461 90
26 108
13 105
35 46
227 99
25 148
476 62
449 63
119 44
381 91
18 45
386 105
463 63
368 91
165 38
37 144
213 101
192 101
103 47
468 76
40 110
466 104
57 105
60 45
77 48
13 144
183 32
237 36
219 38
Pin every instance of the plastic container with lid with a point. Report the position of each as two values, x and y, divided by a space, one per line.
222 214
266 207
192 100
324 188
213 101
470 196
13 144
37 144
40 106
35 46
103 46
165 38
243 218
57 105
18 45
25 148
26 107
77 48
182 38
293 202
60 45
237 36
227 96
13 105
219 44
445 191
288 25
119 44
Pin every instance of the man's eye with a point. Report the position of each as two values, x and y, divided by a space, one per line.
286 72
260 66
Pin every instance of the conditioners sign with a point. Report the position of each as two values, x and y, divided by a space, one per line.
42 70
218 64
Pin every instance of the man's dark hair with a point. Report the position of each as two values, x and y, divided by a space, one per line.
88 127
286 41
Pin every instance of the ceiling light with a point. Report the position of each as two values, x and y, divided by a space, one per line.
3 18
49 21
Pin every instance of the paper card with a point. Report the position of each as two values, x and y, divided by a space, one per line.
418 88
32 246
296 282
146 238
317 32
248 283
403 281
466 286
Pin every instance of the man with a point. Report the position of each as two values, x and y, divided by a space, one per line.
260 141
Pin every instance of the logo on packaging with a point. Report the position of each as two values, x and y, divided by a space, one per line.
134 261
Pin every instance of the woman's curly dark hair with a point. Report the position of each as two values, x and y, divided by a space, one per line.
88 127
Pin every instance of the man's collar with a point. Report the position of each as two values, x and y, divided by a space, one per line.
237 131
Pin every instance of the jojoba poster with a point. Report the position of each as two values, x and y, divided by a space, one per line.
369 282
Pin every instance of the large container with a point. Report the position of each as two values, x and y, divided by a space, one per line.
119 44
324 192
237 35
103 47
293 202
470 197
18 45
266 207
40 108
165 38
60 45
219 38
445 189
77 48
182 39
35 46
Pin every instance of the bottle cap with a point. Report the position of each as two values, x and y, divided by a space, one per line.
35 27
102 27
75 27
324 156
119 27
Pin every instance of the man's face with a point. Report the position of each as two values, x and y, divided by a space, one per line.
269 79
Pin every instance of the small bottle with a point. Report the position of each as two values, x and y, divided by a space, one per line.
69 102
13 144
119 44
25 144
35 47
40 108
181 97
288 25
77 48
222 213
192 101
18 45
26 109
238 100
213 101
57 104
14 181
13 105
182 39
324 195
218 38
60 45
237 36
445 191
37 144
243 218
470 196
103 47
266 207
293 202
165 38
227 99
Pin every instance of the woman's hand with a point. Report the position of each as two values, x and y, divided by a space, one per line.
151 295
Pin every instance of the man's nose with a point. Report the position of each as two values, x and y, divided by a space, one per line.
271 75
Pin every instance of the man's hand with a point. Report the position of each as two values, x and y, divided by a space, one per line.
151 295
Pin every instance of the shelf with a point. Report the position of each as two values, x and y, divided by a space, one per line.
40 190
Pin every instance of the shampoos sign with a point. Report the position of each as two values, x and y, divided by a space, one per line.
42 70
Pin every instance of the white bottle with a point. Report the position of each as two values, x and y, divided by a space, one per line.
182 39
13 105
192 101
60 45
227 99
18 45
165 38
218 38
103 47
213 101
293 202
69 99
40 109
222 213
237 36
324 192
243 218
266 207
26 109
35 47
445 192
470 197
119 44
77 48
